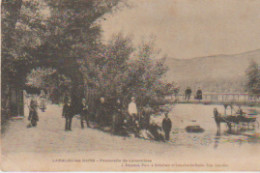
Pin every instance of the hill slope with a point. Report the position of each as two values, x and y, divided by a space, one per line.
211 69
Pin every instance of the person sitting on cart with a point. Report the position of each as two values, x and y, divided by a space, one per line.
240 111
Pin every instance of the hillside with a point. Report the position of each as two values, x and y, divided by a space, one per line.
202 71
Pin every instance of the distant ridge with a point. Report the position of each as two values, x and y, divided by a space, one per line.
211 68
219 55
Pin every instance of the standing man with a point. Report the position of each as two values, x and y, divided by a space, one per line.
167 126
117 117
67 113
199 95
188 93
133 113
132 109
101 114
84 113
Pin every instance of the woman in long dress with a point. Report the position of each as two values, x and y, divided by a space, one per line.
33 114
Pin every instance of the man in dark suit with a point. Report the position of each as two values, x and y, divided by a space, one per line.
188 93
67 113
84 113
199 94
167 126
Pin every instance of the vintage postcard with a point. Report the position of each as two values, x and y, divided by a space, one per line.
130 85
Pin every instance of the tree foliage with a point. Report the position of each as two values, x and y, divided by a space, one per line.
122 71
21 30
20 23
253 84
64 35
50 34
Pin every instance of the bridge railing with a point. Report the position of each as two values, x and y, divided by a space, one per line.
220 98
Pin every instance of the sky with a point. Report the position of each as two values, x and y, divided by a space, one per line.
186 29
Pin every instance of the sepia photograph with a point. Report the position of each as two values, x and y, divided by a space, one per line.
130 85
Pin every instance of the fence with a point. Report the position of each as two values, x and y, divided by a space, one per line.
221 98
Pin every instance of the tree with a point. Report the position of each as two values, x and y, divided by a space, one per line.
10 12
19 20
53 83
64 34
123 72
253 74
146 78
106 73
72 36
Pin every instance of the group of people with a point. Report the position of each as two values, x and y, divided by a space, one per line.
101 110
133 120
188 92
114 118
101 117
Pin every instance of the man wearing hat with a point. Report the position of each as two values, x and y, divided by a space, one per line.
67 113
167 126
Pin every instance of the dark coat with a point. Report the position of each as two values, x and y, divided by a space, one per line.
167 124
118 108
67 111
84 109
199 95
188 91
103 112
102 108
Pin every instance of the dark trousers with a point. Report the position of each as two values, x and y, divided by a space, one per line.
101 118
167 134
187 96
68 123
84 117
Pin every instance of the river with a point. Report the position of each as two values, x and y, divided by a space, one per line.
183 115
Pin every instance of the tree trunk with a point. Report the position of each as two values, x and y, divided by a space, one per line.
11 12
10 15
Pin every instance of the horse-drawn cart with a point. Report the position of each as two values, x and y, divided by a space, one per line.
237 119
